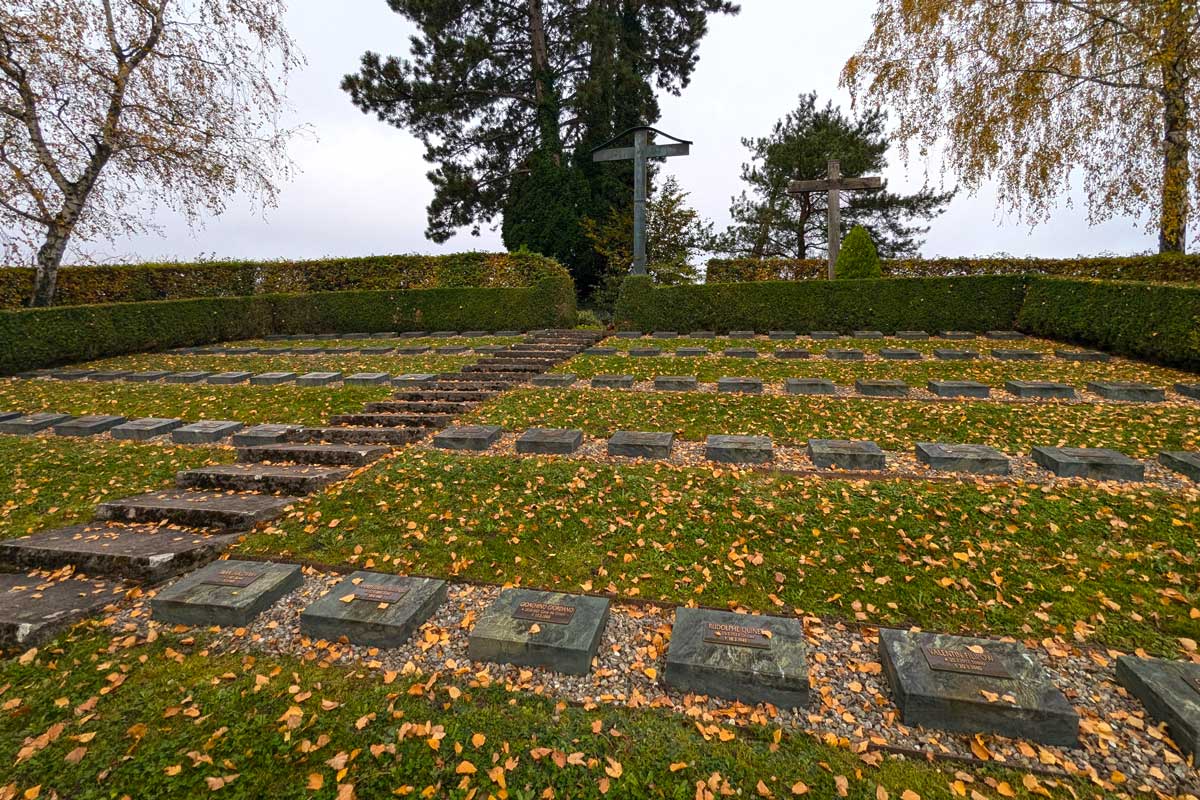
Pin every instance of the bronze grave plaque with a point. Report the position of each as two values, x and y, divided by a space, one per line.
545 612
967 662
379 593
736 635
239 578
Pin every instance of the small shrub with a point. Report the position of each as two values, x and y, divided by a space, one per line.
858 258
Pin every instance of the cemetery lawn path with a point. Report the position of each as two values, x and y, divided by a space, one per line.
49 482
190 402
91 716
1140 431
285 362
1112 566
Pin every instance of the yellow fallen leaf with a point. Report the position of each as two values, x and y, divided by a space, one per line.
799 787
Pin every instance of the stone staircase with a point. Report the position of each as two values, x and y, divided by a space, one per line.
154 536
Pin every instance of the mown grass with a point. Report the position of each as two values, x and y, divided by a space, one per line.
1117 566
915 373
242 402
764 345
1138 430
50 482
112 718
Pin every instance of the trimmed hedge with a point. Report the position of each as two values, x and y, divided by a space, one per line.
1154 268
1142 320
972 303
38 338
147 282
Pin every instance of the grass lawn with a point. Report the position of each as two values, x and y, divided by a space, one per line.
1137 430
1115 567
95 717
979 344
915 373
50 482
244 403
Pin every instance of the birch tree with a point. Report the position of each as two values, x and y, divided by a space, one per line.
109 108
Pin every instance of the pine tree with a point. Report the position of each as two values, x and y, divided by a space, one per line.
770 223
509 98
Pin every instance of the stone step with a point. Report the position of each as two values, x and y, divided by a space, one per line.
492 380
505 369
418 407
520 358
394 420
325 454
200 509
34 608
351 434
149 553
288 479
443 396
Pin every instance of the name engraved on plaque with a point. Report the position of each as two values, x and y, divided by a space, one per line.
1193 681
379 593
545 612
968 662
239 578
736 635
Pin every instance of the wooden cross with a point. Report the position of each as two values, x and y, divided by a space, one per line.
835 184
641 152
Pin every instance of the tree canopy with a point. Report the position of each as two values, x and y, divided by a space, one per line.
1027 91
510 97
770 223
107 106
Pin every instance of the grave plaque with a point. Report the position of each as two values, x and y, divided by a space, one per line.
641 444
975 686
374 609
549 441
845 355
32 423
553 613
976 458
738 449
1181 461
467 437
612 382
1170 691
1191 390
856 455
232 577
965 660
752 659
1097 463
225 593
557 631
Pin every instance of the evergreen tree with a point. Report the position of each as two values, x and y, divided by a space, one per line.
509 98
858 257
770 223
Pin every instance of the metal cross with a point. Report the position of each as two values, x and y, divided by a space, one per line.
835 184
641 152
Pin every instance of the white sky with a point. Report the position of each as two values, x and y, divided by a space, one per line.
361 186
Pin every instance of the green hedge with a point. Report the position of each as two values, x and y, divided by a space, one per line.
1142 320
933 304
1155 268
147 282
38 338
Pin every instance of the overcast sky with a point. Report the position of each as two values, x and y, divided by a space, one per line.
361 188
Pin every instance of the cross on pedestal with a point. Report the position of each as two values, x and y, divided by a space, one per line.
641 152
835 184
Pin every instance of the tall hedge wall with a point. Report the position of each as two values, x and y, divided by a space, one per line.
144 282
933 304
1142 320
37 338
1165 268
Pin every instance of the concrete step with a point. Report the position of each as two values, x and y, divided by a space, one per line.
199 509
35 608
325 454
444 396
394 420
418 407
288 479
149 553
505 369
492 380
352 434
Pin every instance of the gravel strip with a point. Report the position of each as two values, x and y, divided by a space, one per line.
851 698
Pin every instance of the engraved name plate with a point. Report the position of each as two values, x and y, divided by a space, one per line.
239 578
967 662
1193 681
379 593
736 635
545 612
